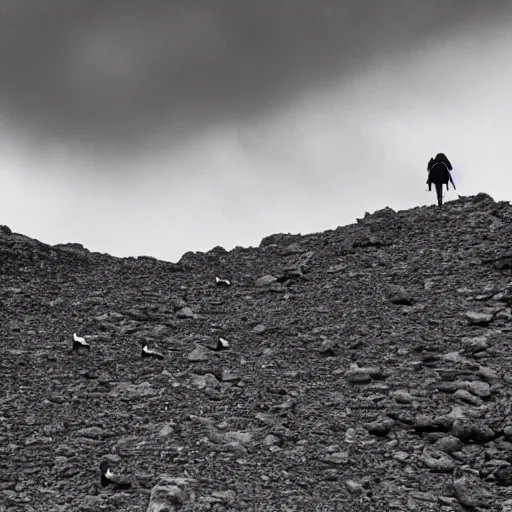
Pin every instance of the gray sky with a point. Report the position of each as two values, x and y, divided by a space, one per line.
163 126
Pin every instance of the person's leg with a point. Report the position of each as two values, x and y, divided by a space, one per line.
439 192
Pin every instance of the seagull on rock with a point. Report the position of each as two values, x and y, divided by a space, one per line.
222 344
147 352
222 282
108 478
79 342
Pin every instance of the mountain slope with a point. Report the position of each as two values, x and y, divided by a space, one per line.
368 369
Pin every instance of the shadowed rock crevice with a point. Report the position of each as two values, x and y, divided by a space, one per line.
363 368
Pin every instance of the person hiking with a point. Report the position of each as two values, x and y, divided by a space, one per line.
439 173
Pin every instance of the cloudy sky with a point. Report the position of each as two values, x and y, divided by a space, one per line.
160 126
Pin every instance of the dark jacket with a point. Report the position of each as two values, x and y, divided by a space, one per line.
439 170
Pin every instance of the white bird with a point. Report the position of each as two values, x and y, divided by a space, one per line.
222 344
222 282
78 342
107 478
146 352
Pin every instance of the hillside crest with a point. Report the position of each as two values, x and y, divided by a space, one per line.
366 367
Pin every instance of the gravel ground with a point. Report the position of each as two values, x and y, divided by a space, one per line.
368 369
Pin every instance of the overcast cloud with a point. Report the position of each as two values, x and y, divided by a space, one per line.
164 126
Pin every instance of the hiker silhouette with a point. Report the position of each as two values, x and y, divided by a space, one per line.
439 174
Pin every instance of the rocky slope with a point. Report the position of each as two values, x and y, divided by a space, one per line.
369 369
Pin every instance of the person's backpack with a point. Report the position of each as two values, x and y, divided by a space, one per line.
441 157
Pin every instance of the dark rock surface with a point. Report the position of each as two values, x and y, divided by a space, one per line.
371 372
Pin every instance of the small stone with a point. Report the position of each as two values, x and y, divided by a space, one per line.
426 497
470 430
456 413
357 376
265 280
33 440
205 381
438 461
230 376
455 357
89 503
402 397
480 389
448 501
401 297
144 389
469 492
327 348
504 314
198 354
503 476
402 457
467 397
380 427
185 312
271 440
477 344
487 373
165 497
425 423
362 375
238 437
350 436
339 458
224 496
330 475
166 430
293 248
448 444
354 487
477 318
91 432
179 304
